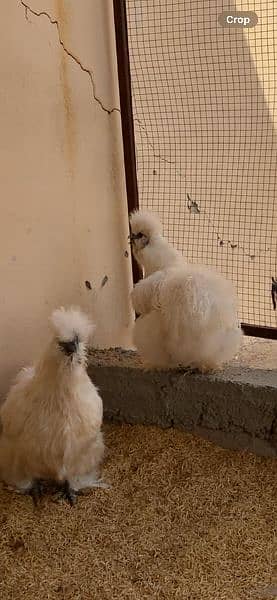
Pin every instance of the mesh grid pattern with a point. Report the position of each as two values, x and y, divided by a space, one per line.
204 100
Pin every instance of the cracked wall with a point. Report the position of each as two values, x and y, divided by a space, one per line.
64 212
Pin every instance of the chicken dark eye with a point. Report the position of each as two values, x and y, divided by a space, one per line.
140 235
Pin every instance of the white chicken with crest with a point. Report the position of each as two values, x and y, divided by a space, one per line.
51 420
187 312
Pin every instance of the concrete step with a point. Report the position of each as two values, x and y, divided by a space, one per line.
236 408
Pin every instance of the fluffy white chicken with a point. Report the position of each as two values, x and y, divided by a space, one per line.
188 313
51 420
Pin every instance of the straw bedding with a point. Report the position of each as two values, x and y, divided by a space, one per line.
184 520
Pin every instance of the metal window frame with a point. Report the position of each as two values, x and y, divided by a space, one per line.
128 136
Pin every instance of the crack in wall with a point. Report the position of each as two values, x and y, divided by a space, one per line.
151 145
70 54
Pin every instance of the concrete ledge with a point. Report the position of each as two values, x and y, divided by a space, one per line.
236 408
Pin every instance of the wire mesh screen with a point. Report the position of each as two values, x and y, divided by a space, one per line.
205 112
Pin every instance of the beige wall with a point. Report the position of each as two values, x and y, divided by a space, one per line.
63 204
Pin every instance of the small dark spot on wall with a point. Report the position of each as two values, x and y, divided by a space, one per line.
88 285
126 253
154 172
104 280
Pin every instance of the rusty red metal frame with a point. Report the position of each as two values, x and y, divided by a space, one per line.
127 121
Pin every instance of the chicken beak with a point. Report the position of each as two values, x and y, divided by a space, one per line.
70 347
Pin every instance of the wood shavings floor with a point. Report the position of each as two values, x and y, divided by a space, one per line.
184 520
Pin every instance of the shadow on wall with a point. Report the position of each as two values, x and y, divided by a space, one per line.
204 128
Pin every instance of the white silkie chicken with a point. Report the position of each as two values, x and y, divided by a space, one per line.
188 313
51 420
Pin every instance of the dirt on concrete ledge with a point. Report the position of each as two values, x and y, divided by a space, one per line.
258 353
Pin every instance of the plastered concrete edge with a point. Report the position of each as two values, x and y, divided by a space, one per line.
235 408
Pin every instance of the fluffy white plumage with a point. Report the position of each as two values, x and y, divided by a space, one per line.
51 420
188 313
